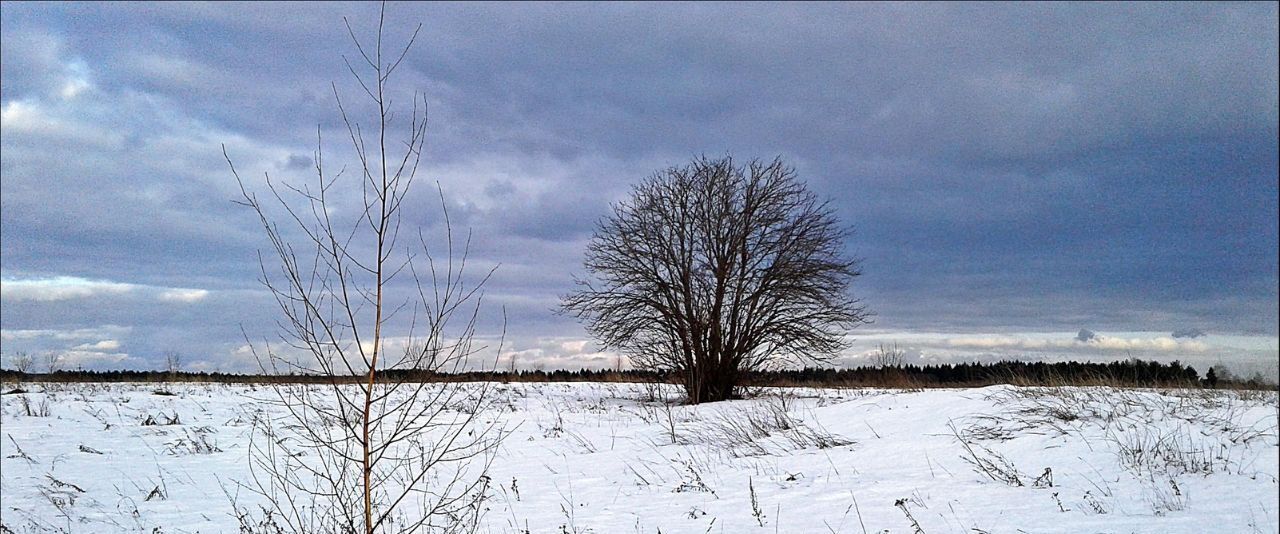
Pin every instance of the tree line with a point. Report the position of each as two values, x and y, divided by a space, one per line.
1131 372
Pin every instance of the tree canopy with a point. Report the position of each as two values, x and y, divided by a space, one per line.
712 269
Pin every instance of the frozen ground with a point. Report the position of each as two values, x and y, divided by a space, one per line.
609 458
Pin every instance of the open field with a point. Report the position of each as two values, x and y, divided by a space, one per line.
593 457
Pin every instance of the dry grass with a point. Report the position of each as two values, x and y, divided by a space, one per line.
760 429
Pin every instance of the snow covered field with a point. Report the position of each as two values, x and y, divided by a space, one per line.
609 458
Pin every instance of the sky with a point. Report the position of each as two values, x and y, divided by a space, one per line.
1043 181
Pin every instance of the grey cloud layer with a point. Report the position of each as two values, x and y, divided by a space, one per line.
1034 166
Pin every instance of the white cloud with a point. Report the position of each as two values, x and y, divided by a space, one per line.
1163 344
183 295
556 353
73 88
75 80
31 122
90 348
20 114
1091 341
93 359
104 345
59 288
100 332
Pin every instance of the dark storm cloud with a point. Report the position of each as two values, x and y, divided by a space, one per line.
1013 166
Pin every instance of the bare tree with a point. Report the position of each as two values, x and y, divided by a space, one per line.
888 356
52 362
713 270
378 448
21 362
172 362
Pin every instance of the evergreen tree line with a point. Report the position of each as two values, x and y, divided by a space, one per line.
1131 372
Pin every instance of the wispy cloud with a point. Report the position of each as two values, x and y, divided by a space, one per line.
101 332
60 288
1085 340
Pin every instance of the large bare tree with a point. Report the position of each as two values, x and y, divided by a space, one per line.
713 270
376 447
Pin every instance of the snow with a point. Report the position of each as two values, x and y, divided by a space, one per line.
588 457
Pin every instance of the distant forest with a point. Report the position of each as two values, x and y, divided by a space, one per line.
1132 372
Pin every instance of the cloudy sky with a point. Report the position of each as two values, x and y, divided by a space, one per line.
1015 173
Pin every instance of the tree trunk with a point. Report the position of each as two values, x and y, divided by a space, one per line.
711 382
